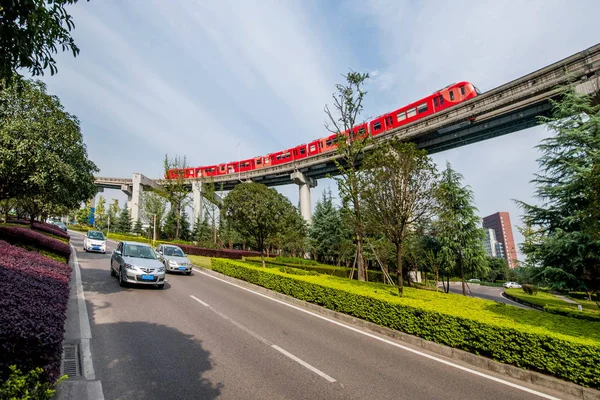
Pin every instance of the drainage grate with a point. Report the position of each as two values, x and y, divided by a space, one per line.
71 364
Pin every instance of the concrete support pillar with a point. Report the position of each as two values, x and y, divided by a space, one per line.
136 198
198 201
92 215
305 184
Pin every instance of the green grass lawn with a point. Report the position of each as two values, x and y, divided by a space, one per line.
201 261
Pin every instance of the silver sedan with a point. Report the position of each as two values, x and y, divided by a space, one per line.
174 259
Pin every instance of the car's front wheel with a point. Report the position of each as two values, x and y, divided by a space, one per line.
122 282
112 271
161 286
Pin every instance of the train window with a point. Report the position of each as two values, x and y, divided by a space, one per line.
312 148
377 126
279 157
328 142
361 131
452 95
441 100
462 90
258 162
389 121
422 108
435 102
411 113
401 116
302 150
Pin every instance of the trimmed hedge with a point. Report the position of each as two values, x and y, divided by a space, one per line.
33 240
574 313
35 291
44 227
507 334
340 272
224 253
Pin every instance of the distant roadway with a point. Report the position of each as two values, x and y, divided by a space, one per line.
205 338
485 292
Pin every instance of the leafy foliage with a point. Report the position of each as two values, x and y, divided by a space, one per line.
458 230
35 289
328 233
399 192
31 239
29 34
153 204
43 160
564 230
175 190
123 222
256 212
348 102
224 253
551 344
27 386
100 214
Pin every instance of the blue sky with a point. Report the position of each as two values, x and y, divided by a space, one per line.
196 78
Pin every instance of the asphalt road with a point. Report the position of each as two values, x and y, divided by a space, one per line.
202 338
485 292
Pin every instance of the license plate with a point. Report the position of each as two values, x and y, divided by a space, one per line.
96 248
148 277
182 268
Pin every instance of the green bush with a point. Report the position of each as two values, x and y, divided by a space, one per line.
80 228
295 260
573 313
530 289
550 344
30 386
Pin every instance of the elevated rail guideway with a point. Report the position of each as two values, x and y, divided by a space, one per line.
508 108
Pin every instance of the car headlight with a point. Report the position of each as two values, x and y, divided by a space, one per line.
172 263
129 266
161 269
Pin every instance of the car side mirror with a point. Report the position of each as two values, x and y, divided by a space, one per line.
117 252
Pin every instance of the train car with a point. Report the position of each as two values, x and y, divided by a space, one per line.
440 100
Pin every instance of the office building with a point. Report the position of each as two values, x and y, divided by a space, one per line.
500 223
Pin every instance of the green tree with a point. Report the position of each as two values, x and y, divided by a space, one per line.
326 231
202 231
351 143
100 218
137 228
153 205
256 211
211 208
112 215
294 232
124 222
175 190
566 223
83 215
398 192
459 234
43 160
498 268
29 34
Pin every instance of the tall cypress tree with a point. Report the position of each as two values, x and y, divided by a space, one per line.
567 222
458 230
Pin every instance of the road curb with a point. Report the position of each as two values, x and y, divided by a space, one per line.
526 376
525 303
84 386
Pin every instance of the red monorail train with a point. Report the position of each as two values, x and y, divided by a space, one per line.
436 102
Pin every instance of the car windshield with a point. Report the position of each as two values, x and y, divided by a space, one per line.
96 235
139 251
173 251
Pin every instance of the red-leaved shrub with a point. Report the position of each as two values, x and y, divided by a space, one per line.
225 253
26 237
53 229
33 305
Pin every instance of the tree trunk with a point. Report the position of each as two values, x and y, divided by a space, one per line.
462 274
359 260
399 272
436 276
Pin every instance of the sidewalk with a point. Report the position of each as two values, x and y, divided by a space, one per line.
77 358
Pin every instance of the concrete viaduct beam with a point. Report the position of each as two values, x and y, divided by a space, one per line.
305 184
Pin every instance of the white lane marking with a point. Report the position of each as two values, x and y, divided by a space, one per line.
303 363
451 364
267 342
199 301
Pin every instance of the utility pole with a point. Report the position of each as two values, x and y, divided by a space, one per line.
154 235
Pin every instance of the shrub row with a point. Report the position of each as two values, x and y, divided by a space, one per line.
340 272
34 240
573 313
44 227
519 346
296 260
224 253
35 291
582 296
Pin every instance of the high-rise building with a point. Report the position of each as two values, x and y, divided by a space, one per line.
500 223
